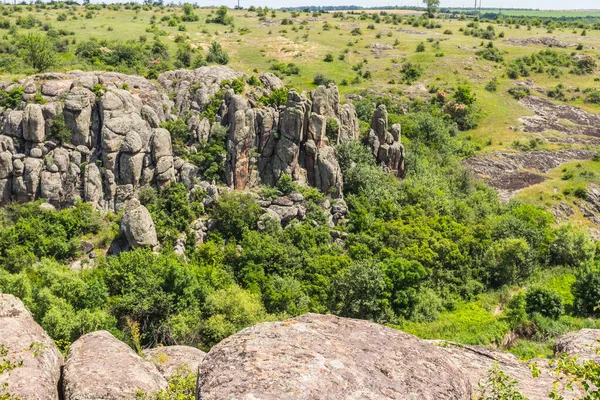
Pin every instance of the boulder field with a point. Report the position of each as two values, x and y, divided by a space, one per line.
308 357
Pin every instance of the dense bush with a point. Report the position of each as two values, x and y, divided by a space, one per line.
544 302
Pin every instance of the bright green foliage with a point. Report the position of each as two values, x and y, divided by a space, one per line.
171 210
235 213
180 135
231 310
59 129
216 54
29 233
360 292
571 246
210 156
508 261
544 302
38 52
12 97
586 290
182 386
285 184
221 17
499 386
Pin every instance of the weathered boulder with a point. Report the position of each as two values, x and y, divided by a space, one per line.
99 366
476 362
583 344
327 357
34 127
169 359
137 225
37 378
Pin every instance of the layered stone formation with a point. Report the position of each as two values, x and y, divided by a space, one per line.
96 136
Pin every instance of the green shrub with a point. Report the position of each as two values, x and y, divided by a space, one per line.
544 302
586 291
59 129
216 54
235 213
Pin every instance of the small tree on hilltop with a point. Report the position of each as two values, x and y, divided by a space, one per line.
432 7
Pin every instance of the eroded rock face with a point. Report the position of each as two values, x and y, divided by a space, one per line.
37 378
104 145
99 366
327 357
137 225
386 144
169 359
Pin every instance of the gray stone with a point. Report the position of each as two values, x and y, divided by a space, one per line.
169 359
327 357
26 341
137 225
34 127
99 366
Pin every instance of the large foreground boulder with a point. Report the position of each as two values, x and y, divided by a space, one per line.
101 367
327 357
170 359
38 376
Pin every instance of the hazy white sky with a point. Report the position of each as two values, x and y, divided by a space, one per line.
541 4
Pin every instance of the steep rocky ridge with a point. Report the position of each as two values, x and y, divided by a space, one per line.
111 143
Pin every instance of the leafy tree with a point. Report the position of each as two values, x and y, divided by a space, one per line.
230 310
508 261
361 291
571 246
432 7
38 52
216 54
235 213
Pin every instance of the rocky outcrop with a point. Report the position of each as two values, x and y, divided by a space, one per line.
292 140
97 137
99 366
386 144
36 358
583 344
327 357
475 363
137 225
171 359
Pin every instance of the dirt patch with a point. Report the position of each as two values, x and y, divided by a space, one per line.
550 116
544 41
511 172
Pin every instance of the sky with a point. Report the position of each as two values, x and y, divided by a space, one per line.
541 4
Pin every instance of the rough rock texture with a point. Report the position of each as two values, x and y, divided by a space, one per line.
169 359
475 362
113 144
99 366
511 172
386 144
26 341
583 344
137 225
327 357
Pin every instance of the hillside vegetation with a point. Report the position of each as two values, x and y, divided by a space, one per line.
440 253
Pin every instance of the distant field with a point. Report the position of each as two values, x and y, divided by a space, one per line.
538 13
